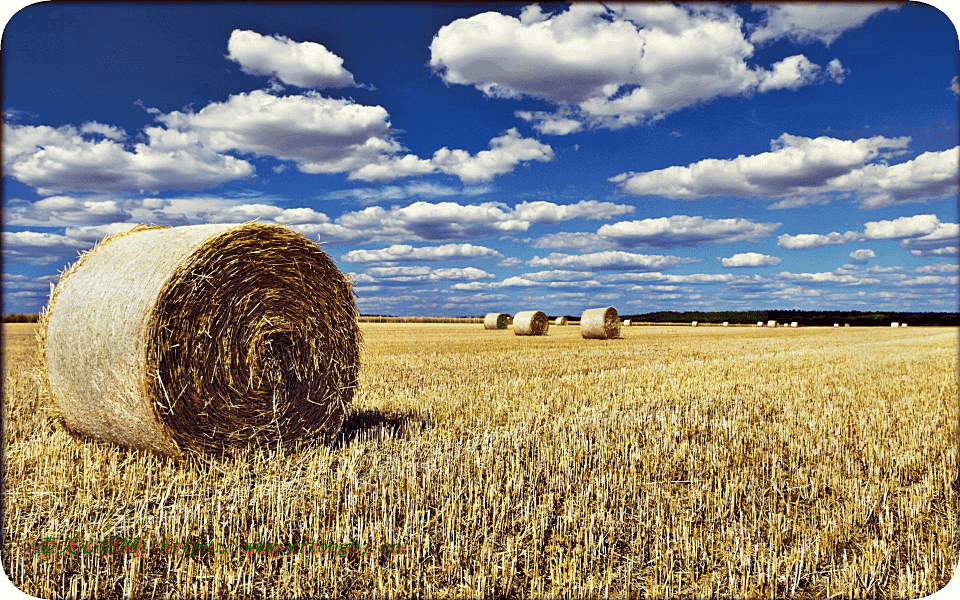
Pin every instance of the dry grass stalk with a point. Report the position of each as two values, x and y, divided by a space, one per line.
201 338
496 321
531 322
600 323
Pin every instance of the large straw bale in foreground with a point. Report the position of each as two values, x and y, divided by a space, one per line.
201 338
600 323
496 321
531 322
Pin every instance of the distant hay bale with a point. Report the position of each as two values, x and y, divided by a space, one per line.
201 339
560 321
793 324
693 324
903 324
894 324
846 324
531 322
600 323
759 323
771 323
496 321
838 325
725 324
627 323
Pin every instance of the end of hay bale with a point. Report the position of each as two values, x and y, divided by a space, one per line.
600 323
531 322
561 321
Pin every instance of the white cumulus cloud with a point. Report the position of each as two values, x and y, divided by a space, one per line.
862 255
813 22
610 65
303 64
750 259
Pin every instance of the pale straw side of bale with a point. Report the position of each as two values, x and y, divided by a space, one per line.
846 324
496 321
894 324
627 323
838 325
903 324
201 338
793 324
771 323
759 323
726 324
693 324
531 322
600 323
561 321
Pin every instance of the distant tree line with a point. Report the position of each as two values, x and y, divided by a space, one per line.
825 318
21 318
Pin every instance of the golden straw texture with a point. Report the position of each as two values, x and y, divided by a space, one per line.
201 338
496 321
531 322
600 323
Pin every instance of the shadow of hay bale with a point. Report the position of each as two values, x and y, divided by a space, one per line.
359 423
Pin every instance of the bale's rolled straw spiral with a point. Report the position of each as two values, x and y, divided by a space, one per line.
531 322
600 323
202 338
496 321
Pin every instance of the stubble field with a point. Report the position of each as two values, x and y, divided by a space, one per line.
674 462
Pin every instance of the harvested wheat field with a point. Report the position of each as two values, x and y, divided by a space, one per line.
671 462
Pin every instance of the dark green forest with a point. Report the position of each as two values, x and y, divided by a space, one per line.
825 318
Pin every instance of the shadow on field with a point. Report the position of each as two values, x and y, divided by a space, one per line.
367 420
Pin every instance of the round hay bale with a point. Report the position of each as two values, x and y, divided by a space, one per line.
201 338
496 321
771 323
531 322
759 323
600 323
725 324
693 324
560 321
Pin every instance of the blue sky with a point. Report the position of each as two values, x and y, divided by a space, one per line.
460 159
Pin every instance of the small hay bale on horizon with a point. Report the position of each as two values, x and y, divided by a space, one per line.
725 324
693 324
759 323
895 324
903 324
600 323
496 321
838 325
561 321
793 324
771 323
531 322
203 338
